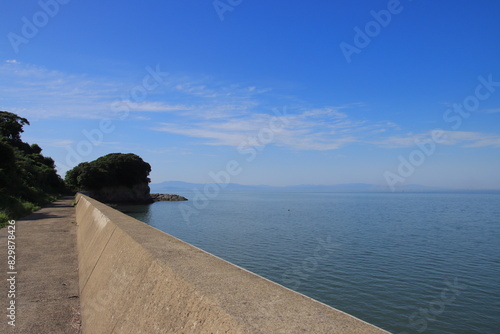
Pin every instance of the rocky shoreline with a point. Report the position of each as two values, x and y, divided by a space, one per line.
167 197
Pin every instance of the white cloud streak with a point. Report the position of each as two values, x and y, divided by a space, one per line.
314 129
449 138
37 92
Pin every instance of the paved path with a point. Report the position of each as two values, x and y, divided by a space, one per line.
46 282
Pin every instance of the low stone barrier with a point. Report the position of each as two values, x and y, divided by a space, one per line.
136 279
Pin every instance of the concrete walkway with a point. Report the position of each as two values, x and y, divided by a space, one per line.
46 279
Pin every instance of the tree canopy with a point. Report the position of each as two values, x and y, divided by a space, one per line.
11 126
115 169
28 179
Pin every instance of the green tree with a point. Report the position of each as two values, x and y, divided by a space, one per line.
115 169
11 126
28 179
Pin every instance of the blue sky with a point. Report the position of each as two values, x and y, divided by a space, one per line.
319 92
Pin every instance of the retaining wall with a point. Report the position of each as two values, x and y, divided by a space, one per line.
137 279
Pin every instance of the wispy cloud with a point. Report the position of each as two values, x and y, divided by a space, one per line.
210 112
471 139
459 138
492 111
311 129
155 106
38 92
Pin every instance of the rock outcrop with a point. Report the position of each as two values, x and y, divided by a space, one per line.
167 197
136 194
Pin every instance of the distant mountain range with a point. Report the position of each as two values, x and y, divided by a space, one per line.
179 186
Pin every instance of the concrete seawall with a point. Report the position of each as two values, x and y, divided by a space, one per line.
136 279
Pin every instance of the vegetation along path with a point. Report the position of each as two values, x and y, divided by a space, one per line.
45 279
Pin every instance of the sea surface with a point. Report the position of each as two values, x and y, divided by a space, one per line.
406 262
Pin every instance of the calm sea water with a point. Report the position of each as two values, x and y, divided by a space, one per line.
406 262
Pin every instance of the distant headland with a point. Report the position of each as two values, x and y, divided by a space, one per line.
116 178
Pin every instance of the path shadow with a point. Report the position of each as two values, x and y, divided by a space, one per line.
40 215
60 203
